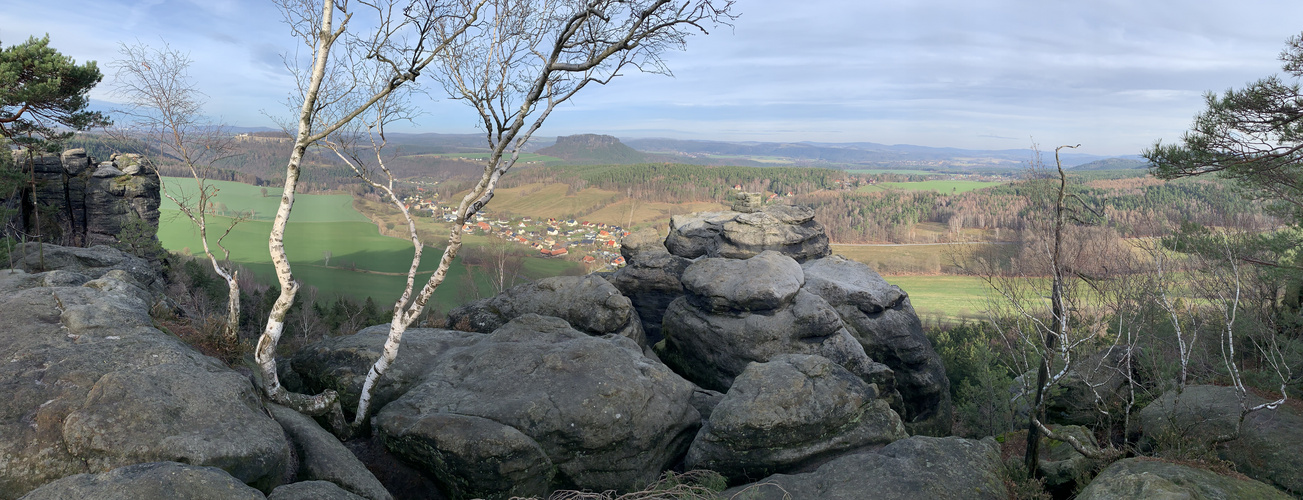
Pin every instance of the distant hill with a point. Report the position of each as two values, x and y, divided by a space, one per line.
1113 164
855 154
595 149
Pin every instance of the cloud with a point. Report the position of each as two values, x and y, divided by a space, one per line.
1114 75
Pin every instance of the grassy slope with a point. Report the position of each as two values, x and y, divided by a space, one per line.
329 222
244 197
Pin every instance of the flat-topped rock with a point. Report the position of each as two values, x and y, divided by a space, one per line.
790 230
760 283
589 303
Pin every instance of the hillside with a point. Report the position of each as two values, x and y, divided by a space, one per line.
594 148
1113 164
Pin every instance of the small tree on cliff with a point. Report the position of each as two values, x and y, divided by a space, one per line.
513 67
165 110
43 100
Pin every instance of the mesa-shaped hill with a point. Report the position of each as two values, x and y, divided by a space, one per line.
597 149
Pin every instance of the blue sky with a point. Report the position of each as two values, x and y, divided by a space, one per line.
1111 75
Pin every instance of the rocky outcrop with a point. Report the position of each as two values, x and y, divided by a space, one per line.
917 468
739 311
171 480
790 230
94 200
1148 478
91 385
1061 466
589 303
652 279
312 490
1091 382
790 412
1267 447
321 457
73 266
602 414
881 318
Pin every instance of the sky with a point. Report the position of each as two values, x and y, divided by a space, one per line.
1114 76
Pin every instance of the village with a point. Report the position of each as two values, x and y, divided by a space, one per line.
595 244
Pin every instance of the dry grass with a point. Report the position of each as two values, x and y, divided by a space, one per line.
207 338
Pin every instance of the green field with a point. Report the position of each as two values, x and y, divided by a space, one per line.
363 262
944 298
236 197
951 186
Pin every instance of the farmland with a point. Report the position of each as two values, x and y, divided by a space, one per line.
363 262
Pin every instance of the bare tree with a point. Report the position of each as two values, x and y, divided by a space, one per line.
165 110
514 67
1049 342
401 39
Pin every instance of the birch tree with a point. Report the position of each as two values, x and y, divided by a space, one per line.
397 40
164 110
525 58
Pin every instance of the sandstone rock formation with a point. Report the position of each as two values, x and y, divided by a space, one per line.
917 468
321 457
93 200
739 311
652 279
91 385
589 303
881 318
1267 449
603 415
788 412
1148 478
790 230
170 480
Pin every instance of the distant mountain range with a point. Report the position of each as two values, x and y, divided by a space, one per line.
861 154
1113 164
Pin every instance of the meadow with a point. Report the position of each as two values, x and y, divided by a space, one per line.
363 262
233 197
591 204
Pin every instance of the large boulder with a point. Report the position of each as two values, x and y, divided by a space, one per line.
1267 447
1148 478
740 311
787 413
917 468
91 385
603 415
170 480
881 318
312 490
321 457
1096 382
589 303
473 457
341 363
1061 466
651 280
790 230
